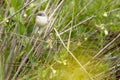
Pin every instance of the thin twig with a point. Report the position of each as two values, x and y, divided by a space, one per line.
17 12
47 5
77 24
110 69
10 56
114 10
60 4
72 54
100 52
24 60
90 1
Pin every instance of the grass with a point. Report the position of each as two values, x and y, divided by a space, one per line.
81 41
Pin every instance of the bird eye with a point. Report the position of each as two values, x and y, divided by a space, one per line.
41 14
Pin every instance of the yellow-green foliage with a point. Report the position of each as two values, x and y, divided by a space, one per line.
68 69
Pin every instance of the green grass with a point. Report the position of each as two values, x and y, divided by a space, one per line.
85 48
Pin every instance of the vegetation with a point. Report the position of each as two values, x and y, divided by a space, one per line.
81 41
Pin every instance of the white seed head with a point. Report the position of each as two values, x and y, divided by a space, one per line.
105 14
106 32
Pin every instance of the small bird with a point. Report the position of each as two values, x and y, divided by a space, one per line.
41 19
